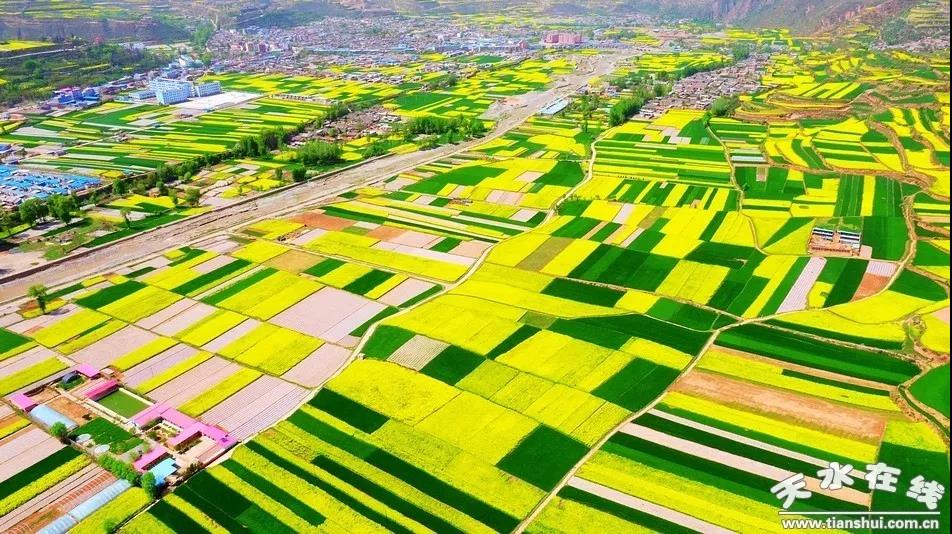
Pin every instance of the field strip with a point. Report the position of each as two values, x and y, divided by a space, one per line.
193 382
738 438
26 448
646 506
50 496
158 364
796 299
738 462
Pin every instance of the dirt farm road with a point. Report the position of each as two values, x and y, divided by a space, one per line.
508 115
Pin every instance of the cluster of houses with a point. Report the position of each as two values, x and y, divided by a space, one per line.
76 96
173 442
699 91
366 43
376 120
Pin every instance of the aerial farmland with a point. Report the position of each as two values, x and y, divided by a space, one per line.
425 267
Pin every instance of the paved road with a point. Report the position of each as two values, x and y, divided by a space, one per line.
508 116
8 60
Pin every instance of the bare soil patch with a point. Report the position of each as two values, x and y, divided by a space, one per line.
784 406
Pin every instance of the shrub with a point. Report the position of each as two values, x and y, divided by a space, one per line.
147 481
119 468
60 432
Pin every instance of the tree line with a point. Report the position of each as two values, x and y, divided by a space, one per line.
723 106
31 210
630 105
260 146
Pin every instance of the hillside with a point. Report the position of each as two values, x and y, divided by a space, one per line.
903 19
805 16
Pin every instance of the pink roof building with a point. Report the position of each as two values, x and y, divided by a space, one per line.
101 390
150 458
22 401
222 438
219 436
87 370
178 418
149 415
190 428
165 413
186 435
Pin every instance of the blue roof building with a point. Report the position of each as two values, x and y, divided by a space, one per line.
48 417
554 107
163 470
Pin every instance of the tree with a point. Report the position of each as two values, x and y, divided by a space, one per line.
428 142
240 149
586 106
298 174
32 210
474 127
623 109
163 173
147 481
39 295
336 111
319 153
724 106
9 220
740 52
62 207
281 135
375 148
279 174
125 217
445 82
119 187
193 196
270 139
59 431
202 34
